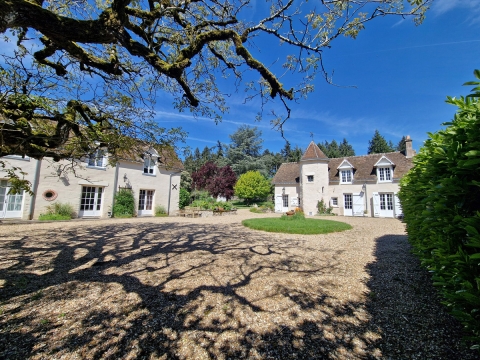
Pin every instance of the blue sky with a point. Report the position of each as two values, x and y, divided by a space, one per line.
402 74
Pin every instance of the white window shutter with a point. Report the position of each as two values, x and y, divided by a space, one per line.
398 206
376 204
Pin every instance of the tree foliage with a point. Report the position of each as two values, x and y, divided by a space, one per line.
378 144
87 72
440 200
183 198
124 204
333 150
252 185
217 181
402 145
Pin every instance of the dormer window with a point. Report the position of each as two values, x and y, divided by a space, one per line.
345 171
149 165
384 174
98 159
384 169
346 176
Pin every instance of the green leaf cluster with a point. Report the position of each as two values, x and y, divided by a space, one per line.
252 185
124 204
183 198
440 199
58 211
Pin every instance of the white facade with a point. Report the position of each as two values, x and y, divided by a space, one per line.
91 189
352 186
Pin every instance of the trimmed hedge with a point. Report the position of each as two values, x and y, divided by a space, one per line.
441 203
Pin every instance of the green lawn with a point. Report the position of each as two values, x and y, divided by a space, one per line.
296 226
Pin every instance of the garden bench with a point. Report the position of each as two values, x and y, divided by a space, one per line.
190 211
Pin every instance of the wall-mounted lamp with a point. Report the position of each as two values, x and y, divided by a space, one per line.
364 186
283 191
125 178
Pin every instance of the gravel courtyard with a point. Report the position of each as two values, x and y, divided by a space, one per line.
176 288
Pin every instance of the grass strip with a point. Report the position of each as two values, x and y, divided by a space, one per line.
301 226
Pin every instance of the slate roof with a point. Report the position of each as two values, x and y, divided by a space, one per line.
313 152
168 158
287 174
364 168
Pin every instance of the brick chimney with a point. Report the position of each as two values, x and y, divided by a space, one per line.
409 152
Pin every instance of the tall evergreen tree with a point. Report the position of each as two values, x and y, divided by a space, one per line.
286 151
346 149
402 146
295 154
379 145
333 150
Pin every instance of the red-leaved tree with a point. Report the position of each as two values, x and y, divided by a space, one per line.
217 181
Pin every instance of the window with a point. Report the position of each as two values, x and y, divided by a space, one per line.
309 178
149 165
384 174
334 201
285 201
97 159
91 198
345 176
386 201
348 201
145 200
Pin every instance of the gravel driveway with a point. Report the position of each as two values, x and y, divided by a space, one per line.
161 288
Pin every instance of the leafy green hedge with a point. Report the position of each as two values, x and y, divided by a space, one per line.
441 203
124 204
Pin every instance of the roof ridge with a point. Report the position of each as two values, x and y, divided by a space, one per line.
366 155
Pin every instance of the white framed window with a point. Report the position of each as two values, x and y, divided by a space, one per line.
309 178
348 201
346 176
149 165
334 201
386 201
384 174
285 201
91 201
98 159
145 202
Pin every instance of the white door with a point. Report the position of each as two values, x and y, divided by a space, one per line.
358 204
347 205
145 202
91 202
11 205
386 205
278 203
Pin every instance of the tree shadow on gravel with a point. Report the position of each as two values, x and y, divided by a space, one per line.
176 290
406 308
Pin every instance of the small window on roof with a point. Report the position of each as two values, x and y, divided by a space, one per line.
346 176
149 165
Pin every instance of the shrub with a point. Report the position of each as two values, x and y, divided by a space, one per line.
440 203
252 185
58 211
323 209
124 204
183 198
160 210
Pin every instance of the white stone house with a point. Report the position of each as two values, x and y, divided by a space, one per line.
154 179
353 186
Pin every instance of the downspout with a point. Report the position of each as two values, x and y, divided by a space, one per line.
170 189
35 189
115 183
